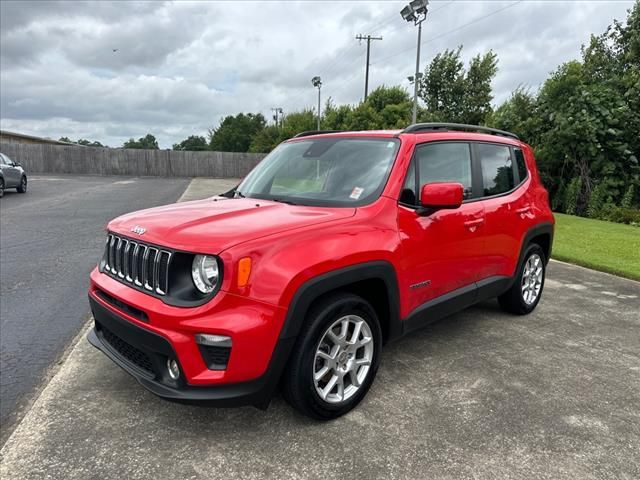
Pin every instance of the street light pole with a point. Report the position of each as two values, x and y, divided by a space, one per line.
416 12
417 76
317 82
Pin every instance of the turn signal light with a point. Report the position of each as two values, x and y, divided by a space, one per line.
244 270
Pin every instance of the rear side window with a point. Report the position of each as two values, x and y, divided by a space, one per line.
445 162
497 169
521 164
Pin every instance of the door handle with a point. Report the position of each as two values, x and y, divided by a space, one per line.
472 225
523 211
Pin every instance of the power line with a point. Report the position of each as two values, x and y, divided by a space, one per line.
448 32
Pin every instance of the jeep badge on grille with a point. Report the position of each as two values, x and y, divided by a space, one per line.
138 229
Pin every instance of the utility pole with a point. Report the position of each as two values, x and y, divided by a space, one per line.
368 38
277 110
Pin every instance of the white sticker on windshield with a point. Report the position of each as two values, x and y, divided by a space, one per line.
356 192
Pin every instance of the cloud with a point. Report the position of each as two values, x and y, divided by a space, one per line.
181 66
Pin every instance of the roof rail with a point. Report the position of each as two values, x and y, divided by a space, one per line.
315 132
425 127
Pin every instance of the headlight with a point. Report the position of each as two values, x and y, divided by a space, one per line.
205 273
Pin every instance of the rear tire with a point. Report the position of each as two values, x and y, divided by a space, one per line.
22 188
1 187
524 295
335 359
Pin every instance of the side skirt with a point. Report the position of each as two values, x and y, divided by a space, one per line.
455 301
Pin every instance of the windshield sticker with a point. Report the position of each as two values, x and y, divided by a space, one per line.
356 192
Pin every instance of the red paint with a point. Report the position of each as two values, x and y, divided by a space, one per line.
442 195
289 245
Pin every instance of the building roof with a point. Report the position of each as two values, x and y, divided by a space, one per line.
6 133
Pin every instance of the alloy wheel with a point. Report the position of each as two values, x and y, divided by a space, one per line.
532 276
343 359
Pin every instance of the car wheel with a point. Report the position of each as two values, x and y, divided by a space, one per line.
22 188
525 293
335 359
1 187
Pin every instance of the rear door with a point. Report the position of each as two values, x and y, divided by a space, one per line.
507 206
441 252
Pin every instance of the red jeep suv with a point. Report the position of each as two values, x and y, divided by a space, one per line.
336 243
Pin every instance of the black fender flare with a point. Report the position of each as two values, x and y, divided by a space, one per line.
545 228
315 287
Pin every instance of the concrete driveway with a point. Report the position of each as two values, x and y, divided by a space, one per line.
483 394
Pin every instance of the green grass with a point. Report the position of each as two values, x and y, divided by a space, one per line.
605 246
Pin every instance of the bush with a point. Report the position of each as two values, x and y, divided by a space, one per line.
612 213
572 195
627 200
597 200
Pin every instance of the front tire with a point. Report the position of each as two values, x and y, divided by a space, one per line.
335 359
524 295
1 187
22 188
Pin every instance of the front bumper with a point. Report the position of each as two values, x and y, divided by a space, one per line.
143 354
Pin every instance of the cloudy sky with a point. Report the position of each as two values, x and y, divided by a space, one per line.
178 67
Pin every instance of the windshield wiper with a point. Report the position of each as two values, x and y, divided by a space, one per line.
238 194
280 200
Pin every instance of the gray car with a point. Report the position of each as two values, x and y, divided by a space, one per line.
12 175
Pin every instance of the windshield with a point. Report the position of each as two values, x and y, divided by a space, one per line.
323 172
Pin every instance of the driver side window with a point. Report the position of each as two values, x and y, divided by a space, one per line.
438 162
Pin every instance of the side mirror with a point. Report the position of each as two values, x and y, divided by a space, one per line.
437 196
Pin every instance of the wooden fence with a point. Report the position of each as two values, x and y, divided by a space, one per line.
44 158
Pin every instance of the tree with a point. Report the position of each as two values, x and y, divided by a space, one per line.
590 120
292 124
335 117
235 133
384 96
453 94
266 139
194 143
392 105
517 114
477 100
88 143
82 141
148 142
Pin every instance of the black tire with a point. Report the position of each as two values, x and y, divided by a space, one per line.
513 300
298 385
1 187
22 188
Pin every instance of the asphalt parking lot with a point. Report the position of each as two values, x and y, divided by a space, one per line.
482 394
50 239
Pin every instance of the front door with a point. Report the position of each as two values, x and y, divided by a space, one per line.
11 174
441 252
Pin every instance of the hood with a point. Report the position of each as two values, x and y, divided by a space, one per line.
215 224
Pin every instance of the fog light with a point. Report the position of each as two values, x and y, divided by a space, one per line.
173 369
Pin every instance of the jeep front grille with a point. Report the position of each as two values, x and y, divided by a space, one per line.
145 266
